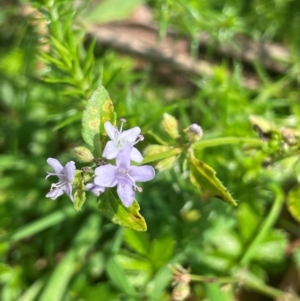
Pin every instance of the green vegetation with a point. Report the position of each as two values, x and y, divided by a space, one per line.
198 244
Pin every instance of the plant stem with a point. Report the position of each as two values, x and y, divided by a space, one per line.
244 279
212 279
225 140
265 227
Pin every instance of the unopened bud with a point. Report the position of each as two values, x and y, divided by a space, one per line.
180 292
194 132
169 124
83 154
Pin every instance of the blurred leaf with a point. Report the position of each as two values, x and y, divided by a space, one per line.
79 190
134 263
216 262
89 58
153 150
41 224
112 10
165 164
137 241
227 244
118 277
218 293
161 251
59 279
32 292
99 109
272 248
293 202
296 257
248 220
115 211
159 152
204 177
159 284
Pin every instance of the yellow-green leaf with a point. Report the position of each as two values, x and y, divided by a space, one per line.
204 177
115 211
160 153
99 109
79 194
293 202
157 152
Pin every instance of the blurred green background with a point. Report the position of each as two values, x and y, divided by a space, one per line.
48 69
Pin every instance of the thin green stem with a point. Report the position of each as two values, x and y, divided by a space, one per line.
244 279
265 227
247 281
208 279
226 140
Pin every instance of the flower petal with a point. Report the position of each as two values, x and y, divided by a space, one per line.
68 190
123 158
136 156
55 164
106 176
142 173
69 170
110 150
94 189
126 194
54 194
110 130
130 135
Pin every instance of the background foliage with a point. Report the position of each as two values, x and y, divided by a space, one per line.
48 70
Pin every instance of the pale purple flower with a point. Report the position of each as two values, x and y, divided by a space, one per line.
124 176
118 140
94 189
65 176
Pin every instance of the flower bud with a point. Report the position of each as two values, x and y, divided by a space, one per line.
169 124
83 154
194 132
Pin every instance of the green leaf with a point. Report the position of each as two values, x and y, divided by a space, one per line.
161 250
137 241
217 293
293 203
119 278
163 153
32 292
115 211
159 152
42 224
106 11
272 248
248 220
204 177
60 278
79 194
159 284
99 109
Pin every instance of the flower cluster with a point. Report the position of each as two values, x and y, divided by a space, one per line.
122 174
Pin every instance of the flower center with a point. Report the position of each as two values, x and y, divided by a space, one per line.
63 181
124 177
120 141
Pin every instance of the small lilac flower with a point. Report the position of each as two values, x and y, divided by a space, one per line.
119 139
65 176
124 175
94 188
193 133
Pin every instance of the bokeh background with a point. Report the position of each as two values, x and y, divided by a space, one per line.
226 65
